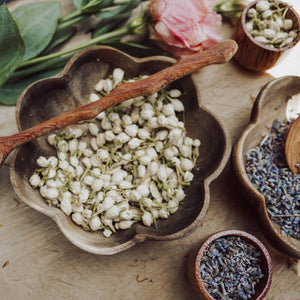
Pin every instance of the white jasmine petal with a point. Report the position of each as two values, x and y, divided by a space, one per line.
143 134
107 203
66 206
84 195
175 93
141 171
101 115
87 162
107 232
74 161
52 139
109 135
95 223
93 97
177 105
153 168
42 161
94 129
75 187
143 190
77 218
125 224
118 75
172 206
188 176
122 138
63 146
186 164
131 130
134 143
113 212
164 213
103 154
168 109
147 218
162 135
35 180
106 124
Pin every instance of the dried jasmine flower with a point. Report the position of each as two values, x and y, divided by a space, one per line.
130 164
268 24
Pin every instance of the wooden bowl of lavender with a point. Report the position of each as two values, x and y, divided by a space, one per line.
260 167
265 33
231 264
111 183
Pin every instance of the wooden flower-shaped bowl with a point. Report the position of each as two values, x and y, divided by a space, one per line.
197 253
71 88
270 104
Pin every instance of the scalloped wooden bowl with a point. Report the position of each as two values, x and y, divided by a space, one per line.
50 97
270 104
255 56
197 253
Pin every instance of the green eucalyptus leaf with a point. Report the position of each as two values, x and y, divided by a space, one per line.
37 23
10 92
59 37
11 45
77 4
119 10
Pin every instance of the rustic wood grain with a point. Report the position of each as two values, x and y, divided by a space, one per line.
44 265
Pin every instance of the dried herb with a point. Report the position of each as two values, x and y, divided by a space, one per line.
268 171
230 268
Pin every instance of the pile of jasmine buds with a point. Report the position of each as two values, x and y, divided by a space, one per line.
128 165
268 25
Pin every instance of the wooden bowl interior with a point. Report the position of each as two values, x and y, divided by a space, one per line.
271 104
261 289
53 96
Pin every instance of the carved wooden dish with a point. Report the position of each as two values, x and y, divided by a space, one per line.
270 104
53 96
197 253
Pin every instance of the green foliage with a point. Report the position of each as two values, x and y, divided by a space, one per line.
37 24
11 45
10 92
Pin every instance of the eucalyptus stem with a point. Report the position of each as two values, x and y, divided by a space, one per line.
47 65
68 23
74 14
110 35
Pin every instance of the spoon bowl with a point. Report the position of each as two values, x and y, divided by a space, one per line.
292 147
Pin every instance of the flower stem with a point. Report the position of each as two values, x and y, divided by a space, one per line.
114 34
68 23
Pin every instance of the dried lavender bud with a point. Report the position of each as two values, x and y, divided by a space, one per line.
230 268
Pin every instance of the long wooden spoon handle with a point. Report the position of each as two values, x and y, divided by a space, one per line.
221 53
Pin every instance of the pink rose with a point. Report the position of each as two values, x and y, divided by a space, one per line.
184 26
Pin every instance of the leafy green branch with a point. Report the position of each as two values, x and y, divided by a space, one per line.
30 34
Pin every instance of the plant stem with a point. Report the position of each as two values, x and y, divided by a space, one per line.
70 16
47 65
114 34
65 24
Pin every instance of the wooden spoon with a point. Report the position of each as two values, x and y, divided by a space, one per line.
221 53
292 146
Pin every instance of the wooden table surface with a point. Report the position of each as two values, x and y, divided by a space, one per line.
43 264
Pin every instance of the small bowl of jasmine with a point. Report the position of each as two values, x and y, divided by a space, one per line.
231 264
266 30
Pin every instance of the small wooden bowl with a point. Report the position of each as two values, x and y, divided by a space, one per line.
255 56
70 89
270 104
194 260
